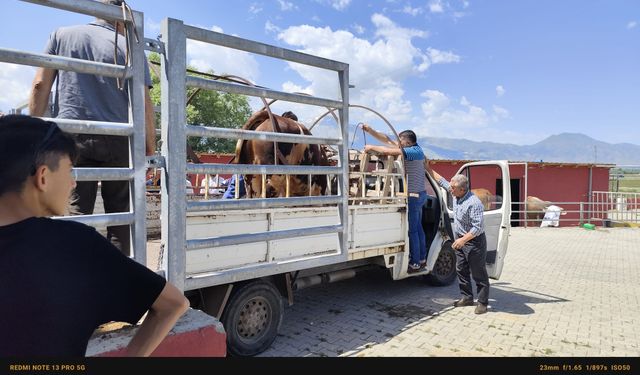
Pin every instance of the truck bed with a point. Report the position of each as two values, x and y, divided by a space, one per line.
373 230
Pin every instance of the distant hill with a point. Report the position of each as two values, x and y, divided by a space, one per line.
565 147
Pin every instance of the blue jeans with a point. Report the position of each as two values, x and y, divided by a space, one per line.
417 239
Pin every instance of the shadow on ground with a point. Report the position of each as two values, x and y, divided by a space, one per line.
350 316
508 299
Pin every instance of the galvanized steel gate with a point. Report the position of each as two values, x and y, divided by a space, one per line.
134 129
174 134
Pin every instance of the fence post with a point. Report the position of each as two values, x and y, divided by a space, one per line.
137 187
173 118
343 180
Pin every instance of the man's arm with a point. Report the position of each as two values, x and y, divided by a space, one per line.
162 316
391 151
436 176
150 124
460 242
40 89
380 136
475 213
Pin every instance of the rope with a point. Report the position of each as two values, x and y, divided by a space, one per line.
126 11
364 134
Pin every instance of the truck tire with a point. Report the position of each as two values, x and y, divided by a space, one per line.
252 318
444 271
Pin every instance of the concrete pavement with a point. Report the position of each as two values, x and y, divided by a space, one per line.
563 292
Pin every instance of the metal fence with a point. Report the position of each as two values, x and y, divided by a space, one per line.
615 206
134 129
605 208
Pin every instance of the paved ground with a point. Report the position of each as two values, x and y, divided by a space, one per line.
563 292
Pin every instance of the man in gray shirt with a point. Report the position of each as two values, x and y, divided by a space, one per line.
92 97
470 241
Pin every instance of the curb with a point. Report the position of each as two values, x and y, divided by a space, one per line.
196 334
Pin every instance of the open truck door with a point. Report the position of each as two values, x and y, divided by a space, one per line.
485 178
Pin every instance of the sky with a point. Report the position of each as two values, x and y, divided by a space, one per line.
484 70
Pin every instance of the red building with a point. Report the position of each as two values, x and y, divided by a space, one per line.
564 184
196 179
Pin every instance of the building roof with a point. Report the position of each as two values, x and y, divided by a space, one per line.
532 163
456 161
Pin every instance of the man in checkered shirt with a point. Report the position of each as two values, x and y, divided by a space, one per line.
470 241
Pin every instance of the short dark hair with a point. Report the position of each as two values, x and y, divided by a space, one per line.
409 135
291 115
26 143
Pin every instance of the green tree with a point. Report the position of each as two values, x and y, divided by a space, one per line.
208 108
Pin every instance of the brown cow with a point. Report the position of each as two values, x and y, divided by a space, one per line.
535 209
262 152
485 197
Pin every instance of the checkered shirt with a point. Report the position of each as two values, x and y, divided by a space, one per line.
467 213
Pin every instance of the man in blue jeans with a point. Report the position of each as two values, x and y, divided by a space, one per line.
414 161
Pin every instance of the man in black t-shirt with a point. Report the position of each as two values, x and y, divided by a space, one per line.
60 280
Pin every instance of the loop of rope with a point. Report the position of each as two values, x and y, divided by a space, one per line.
126 11
364 134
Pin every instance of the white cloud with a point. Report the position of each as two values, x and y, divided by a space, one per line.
359 29
500 113
339 4
632 25
293 88
500 91
387 98
457 15
221 60
286 5
15 81
435 104
435 6
445 119
389 30
442 57
457 9
377 68
255 8
271 28
408 9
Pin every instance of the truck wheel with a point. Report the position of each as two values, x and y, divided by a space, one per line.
444 271
252 318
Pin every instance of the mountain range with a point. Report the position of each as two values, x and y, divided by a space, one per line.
565 147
